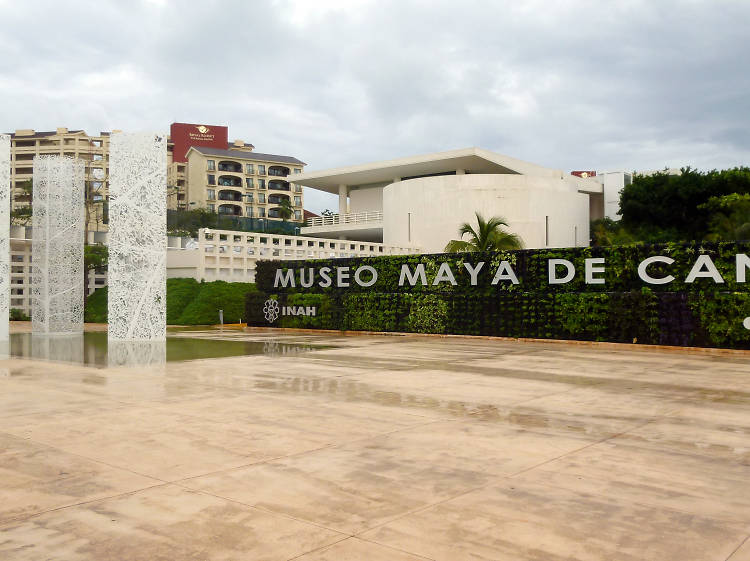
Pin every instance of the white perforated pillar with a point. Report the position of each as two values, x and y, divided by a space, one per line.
4 235
137 237
57 246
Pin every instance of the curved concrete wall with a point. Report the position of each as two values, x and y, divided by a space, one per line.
427 212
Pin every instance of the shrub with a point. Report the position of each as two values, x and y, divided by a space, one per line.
18 315
215 296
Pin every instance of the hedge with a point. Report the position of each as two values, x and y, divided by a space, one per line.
189 302
623 309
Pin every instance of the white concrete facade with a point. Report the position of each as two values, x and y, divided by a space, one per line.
541 212
422 200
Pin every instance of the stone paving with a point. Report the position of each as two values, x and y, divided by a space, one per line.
383 448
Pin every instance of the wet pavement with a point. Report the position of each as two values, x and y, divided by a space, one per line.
379 448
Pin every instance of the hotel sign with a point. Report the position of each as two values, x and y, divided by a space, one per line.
185 135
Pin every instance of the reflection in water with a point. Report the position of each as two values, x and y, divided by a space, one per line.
63 348
136 353
92 348
4 354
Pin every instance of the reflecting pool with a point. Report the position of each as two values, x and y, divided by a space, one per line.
93 349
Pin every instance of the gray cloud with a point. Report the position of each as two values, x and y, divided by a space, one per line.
580 84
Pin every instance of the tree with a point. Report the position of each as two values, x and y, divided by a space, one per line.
730 217
95 256
660 205
285 209
489 236
21 215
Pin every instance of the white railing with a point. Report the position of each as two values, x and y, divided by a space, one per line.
350 218
255 245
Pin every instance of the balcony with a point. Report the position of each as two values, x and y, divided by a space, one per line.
230 210
278 171
279 185
351 218
234 167
364 226
276 199
229 181
227 195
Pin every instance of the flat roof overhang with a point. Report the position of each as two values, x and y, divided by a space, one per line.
371 232
472 160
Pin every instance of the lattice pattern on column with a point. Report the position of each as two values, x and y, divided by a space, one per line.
57 245
4 235
137 237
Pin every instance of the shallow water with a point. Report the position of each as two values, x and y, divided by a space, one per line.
93 349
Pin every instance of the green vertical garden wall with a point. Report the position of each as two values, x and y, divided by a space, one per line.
622 309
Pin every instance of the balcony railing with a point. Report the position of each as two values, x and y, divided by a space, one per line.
350 218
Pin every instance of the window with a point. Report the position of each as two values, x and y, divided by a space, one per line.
249 169
249 182
98 198
261 184
249 197
297 201
297 170
248 211
298 188
97 157
261 197
211 194
211 208
261 212
211 179
96 185
261 169
298 215
211 165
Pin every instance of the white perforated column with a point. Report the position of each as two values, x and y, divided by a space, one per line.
137 237
4 235
57 246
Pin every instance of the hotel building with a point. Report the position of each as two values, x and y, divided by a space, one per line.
226 179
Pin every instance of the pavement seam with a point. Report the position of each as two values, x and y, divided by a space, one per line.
16 519
738 548
303 452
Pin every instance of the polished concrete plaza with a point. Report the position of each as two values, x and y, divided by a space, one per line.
383 448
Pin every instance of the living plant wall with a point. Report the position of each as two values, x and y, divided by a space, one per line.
711 309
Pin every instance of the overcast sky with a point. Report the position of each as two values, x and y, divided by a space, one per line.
566 84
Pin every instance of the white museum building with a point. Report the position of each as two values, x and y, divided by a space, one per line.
420 201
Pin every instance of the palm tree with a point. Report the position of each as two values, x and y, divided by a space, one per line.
489 236
285 209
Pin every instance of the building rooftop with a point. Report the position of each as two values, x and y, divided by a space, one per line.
245 155
471 160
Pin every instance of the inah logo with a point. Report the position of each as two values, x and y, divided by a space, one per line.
271 310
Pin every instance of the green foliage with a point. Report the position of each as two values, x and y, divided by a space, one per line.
215 296
622 309
95 256
285 209
720 316
428 313
662 204
489 236
180 293
21 215
96 307
18 315
188 222
188 302
730 217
